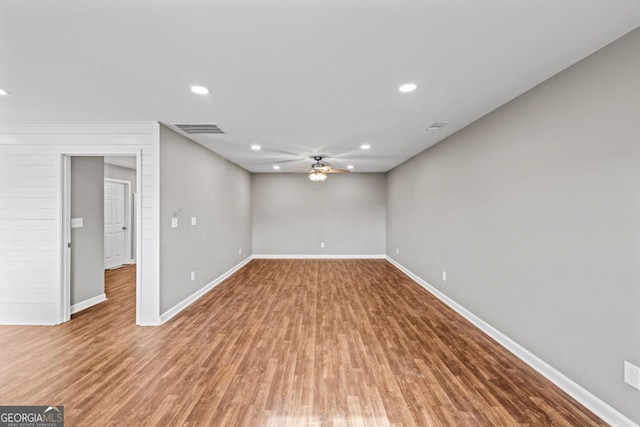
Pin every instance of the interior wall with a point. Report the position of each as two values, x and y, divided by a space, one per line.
31 212
196 182
534 213
126 174
292 215
87 243
122 173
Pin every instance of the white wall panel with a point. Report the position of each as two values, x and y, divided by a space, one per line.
31 212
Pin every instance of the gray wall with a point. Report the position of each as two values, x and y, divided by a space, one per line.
196 182
87 243
292 215
534 212
126 174
119 172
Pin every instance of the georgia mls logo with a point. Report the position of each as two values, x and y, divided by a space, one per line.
31 416
54 408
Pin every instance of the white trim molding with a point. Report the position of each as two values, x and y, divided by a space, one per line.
173 311
297 256
19 322
586 398
82 305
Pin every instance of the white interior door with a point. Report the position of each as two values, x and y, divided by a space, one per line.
115 226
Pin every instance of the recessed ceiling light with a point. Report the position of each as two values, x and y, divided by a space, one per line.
200 90
255 147
349 166
408 87
3 92
276 167
365 146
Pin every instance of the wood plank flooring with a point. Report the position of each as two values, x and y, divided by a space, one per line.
281 343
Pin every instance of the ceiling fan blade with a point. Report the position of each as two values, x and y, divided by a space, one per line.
363 156
329 149
218 142
279 162
338 171
287 153
327 165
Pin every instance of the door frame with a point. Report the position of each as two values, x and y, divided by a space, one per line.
65 227
127 215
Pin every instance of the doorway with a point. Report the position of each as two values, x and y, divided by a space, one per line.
99 229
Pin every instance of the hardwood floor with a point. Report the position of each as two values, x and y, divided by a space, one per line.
281 343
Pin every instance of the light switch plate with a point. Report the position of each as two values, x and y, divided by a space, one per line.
77 222
194 220
174 222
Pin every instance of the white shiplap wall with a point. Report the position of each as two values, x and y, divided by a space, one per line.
31 212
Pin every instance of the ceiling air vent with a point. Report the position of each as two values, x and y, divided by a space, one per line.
437 125
199 128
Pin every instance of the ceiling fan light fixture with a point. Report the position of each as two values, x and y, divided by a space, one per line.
318 176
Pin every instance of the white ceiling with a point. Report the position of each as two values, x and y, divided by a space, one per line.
296 77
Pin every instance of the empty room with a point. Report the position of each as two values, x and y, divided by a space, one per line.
320 213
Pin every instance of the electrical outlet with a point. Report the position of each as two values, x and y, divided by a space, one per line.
174 222
193 276
632 375
239 251
444 276
194 220
397 251
322 244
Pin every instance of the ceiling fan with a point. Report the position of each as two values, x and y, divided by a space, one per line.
320 169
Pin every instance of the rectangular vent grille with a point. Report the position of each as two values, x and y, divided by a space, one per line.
199 128
437 125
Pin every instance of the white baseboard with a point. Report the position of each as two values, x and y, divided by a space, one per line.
88 303
200 292
148 320
10 321
591 402
323 256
